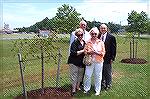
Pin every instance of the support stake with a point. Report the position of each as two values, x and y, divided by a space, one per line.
22 76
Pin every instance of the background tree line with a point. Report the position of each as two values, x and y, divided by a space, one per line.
67 20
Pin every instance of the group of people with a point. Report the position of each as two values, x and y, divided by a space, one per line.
101 45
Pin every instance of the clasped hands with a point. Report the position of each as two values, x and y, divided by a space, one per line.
92 52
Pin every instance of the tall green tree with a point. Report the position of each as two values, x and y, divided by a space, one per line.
92 24
113 27
137 22
66 19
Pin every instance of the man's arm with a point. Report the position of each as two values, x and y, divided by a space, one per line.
72 37
113 47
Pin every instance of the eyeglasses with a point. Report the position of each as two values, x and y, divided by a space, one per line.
79 35
93 33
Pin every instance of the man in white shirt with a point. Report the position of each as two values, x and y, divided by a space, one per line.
86 35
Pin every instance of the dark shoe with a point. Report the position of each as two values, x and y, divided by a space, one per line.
87 92
81 85
78 89
108 87
73 93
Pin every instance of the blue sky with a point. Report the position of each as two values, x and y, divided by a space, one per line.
23 13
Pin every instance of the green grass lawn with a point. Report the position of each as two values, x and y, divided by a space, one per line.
130 81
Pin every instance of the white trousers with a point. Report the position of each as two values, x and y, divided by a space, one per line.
95 68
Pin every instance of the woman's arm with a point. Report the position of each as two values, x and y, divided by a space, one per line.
80 52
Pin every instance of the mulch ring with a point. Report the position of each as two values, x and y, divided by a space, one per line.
134 61
48 93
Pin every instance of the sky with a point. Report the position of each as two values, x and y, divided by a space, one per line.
24 13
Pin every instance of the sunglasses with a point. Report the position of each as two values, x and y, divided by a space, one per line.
93 33
79 35
83 25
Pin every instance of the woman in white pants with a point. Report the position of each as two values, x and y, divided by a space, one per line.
96 48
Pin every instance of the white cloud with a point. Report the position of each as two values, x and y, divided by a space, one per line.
26 14
109 11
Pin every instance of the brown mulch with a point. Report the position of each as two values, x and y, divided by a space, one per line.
134 61
48 93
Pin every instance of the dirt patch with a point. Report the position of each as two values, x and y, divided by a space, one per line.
134 61
48 93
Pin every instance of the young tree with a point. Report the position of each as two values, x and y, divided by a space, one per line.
137 22
66 19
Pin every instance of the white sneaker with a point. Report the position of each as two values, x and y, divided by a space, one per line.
97 94
85 92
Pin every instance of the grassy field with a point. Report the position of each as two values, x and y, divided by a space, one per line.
129 80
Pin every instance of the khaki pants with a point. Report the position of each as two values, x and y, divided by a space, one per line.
76 74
